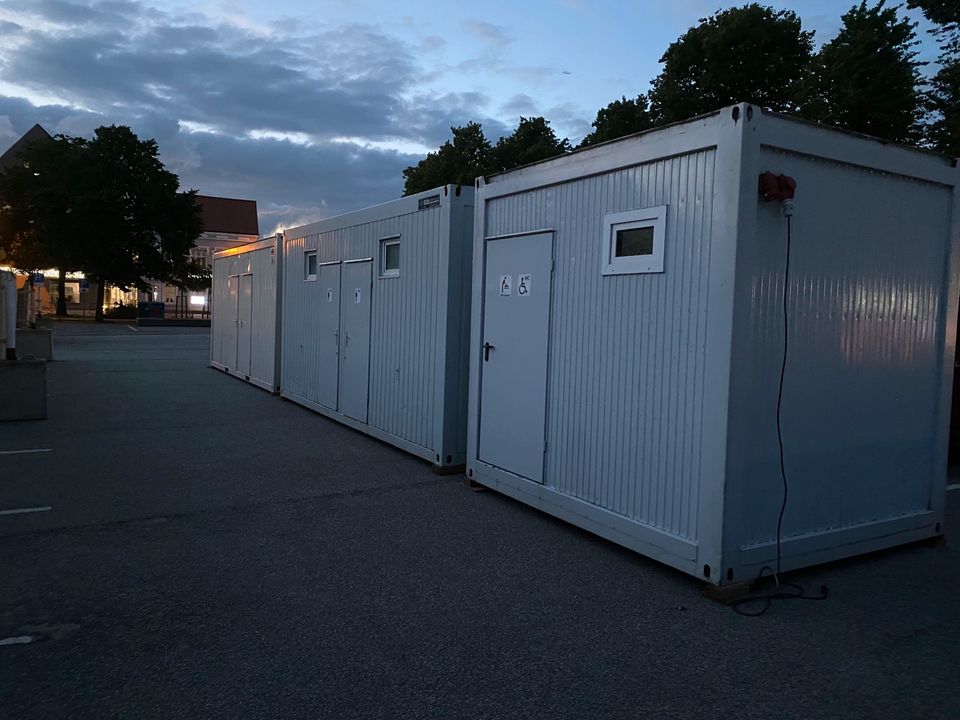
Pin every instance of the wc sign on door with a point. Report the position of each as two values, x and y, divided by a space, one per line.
329 294
506 285
356 295
523 285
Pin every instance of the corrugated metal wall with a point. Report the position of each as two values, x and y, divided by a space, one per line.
263 353
867 302
625 379
405 359
218 313
262 263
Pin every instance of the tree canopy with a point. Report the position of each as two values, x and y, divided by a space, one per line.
469 155
106 206
619 118
943 96
533 140
459 160
867 78
751 53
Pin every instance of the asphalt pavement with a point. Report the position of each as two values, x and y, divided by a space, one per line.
211 551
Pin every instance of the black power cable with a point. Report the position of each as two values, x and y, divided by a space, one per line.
783 591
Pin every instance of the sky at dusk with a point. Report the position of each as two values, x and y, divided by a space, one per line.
315 108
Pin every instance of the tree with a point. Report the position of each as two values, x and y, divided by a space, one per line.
39 222
751 53
533 140
943 96
460 161
945 14
867 78
145 226
619 118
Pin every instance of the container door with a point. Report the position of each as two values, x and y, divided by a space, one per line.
245 324
328 361
513 364
231 325
355 342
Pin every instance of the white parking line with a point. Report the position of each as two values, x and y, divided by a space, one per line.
24 452
18 511
133 328
18 640
955 486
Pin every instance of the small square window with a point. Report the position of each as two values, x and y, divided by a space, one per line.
633 241
390 257
310 265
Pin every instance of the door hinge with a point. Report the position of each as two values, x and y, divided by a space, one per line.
552 264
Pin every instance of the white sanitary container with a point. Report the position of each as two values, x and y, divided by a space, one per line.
376 321
245 318
628 335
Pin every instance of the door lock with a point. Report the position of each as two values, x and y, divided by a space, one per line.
487 347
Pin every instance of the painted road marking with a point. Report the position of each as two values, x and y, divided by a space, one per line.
18 640
18 511
133 328
24 452
955 486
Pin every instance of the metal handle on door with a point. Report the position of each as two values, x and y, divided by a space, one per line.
487 347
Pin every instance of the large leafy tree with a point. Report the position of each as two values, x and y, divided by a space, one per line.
146 227
751 53
867 78
459 160
943 97
533 140
619 118
40 208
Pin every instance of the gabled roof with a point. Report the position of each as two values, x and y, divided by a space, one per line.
34 134
228 215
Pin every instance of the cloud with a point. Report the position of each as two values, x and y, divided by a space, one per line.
433 42
488 32
308 122
519 104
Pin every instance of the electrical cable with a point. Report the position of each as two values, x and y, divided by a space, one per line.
783 374
783 591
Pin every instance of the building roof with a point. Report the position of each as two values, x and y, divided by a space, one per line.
229 215
34 134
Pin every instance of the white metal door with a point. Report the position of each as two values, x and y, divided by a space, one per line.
355 340
245 323
230 327
328 360
516 317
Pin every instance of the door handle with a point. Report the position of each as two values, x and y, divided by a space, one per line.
487 347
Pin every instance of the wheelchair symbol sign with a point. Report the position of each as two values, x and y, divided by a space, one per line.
523 285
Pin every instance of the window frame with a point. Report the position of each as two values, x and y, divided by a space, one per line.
650 217
384 243
307 276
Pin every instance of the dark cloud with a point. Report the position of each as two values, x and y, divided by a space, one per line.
165 74
520 104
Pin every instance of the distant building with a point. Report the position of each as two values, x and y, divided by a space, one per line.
227 222
12 154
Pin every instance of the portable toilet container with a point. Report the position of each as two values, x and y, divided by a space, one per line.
634 304
376 321
245 317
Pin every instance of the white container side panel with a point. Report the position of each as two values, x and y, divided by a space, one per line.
301 332
406 354
218 309
867 296
261 264
263 355
626 357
